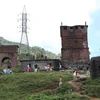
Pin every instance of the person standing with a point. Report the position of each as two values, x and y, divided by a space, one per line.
77 73
36 67
28 68
45 68
60 80
74 74
9 71
5 70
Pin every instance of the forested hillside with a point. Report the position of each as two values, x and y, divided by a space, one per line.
33 50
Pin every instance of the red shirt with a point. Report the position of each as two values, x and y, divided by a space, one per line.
76 72
27 69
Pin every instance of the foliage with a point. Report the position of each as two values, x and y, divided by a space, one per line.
19 86
56 97
45 97
91 87
7 61
64 88
1 69
34 51
37 86
47 92
16 69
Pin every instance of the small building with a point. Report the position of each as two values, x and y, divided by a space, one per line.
41 63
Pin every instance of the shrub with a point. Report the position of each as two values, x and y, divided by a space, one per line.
16 69
45 97
1 69
56 97
92 90
38 97
91 87
64 88
48 92
75 97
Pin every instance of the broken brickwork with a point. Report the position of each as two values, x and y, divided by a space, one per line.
9 52
74 41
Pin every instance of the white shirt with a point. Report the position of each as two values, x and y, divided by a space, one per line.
74 73
5 71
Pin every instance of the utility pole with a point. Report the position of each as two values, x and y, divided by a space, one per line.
24 36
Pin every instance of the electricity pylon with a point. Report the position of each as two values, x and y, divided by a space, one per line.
24 36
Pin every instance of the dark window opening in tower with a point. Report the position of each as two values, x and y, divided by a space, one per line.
99 67
82 27
76 27
71 27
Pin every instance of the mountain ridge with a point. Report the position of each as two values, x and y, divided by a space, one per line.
36 50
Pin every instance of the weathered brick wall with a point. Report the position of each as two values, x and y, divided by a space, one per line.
95 67
8 48
74 43
10 51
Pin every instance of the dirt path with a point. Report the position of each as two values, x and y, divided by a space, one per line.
77 85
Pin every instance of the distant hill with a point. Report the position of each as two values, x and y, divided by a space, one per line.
33 50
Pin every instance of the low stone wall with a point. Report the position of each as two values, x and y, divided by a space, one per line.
41 63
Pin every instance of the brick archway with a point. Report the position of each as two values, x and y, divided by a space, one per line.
3 59
9 51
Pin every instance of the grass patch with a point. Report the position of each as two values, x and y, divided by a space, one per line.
57 97
37 86
64 88
20 85
91 87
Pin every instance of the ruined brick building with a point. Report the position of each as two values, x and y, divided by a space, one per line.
9 52
74 40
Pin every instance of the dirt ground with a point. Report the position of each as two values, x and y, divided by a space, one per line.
77 85
74 83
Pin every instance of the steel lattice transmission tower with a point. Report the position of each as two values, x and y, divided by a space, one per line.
24 36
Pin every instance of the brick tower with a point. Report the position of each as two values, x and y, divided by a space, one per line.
74 44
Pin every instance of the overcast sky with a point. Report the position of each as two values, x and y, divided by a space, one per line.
45 19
